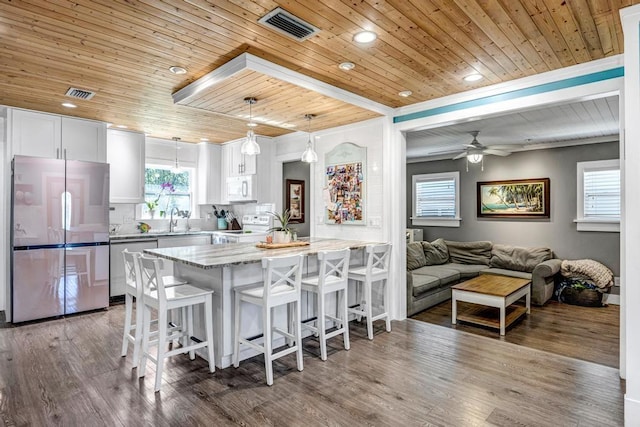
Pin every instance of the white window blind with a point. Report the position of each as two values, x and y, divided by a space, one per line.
435 198
602 193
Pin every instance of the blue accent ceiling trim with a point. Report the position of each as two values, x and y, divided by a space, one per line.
534 90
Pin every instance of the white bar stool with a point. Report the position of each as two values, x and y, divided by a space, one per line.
281 286
161 298
133 289
332 277
376 270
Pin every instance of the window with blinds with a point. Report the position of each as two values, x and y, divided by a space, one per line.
599 189
602 193
436 199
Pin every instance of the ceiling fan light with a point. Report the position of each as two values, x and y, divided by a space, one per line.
474 157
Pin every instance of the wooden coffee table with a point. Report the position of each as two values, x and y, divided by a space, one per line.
493 291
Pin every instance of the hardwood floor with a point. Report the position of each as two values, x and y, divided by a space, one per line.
586 333
69 372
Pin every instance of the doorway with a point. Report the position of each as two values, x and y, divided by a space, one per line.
298 171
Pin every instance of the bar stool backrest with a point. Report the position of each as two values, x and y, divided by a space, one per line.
132 273
151 279
282 275
378 258
333 263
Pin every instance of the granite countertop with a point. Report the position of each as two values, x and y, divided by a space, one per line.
156 234
212 256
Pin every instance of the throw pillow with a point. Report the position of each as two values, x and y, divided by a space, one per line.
436 252
518 258
415 256
469 252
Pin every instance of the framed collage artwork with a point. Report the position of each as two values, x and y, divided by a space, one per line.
344 194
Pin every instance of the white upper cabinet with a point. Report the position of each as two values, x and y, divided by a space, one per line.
84 140
125 154
35 134
54 136
240 164
209 181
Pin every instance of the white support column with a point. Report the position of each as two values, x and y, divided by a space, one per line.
395 173
630 227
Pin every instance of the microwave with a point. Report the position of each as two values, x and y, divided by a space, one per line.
241 189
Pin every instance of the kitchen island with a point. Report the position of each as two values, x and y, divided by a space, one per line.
223 267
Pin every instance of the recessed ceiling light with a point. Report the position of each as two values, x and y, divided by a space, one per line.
346 66
69 105
177 70
365 37
204 139
121 126
473 77
405 93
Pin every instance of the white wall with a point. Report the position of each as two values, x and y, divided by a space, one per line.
4 214
630 227
367 134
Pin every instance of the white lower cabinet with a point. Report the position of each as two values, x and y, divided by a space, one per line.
175 241
116 262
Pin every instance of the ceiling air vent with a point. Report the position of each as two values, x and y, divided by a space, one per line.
288 24
79 93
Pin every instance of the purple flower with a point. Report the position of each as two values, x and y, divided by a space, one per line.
167 186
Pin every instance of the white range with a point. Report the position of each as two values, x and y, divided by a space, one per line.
254 229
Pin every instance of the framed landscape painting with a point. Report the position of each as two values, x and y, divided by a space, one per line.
518 198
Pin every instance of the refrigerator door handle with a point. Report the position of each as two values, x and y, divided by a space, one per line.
65 153
57 153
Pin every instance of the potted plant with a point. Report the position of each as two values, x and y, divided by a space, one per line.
282 233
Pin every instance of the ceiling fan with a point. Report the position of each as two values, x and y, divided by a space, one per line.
474 151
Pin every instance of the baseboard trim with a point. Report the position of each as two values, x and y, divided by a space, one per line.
611 299
631 411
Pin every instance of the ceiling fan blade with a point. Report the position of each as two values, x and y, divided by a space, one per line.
496 152
505 147
461 155
433 153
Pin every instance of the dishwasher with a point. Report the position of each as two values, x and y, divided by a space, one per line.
116 263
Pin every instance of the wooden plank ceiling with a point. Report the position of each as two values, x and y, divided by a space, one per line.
122 50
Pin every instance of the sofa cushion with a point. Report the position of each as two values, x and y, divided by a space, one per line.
435 252
442 272
467 270
509 273
469 252
423 284
415 256
518 258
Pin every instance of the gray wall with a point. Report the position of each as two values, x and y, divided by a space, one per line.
558 233
301 171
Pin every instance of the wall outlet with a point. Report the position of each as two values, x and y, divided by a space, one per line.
616 281
375 221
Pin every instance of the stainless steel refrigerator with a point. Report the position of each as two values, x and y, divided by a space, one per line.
60 237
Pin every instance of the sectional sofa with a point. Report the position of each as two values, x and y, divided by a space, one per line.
433 267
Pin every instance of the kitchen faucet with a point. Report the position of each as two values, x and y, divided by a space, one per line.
173 224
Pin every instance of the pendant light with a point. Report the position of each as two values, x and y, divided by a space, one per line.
250 145
309 156
176 166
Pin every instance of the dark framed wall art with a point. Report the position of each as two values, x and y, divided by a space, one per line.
516 198
295 200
